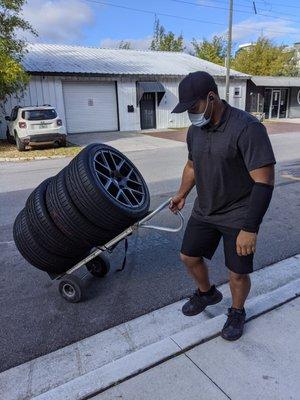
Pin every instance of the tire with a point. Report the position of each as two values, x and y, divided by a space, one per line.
70 288
86 186
43 228
98 266
10 138
35 254
20 145
68 218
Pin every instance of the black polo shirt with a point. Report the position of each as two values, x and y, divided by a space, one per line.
223 154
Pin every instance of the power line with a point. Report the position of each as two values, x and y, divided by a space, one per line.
273 4
260 9
176 16
236 10
153 12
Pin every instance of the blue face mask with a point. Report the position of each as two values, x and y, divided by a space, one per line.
199 118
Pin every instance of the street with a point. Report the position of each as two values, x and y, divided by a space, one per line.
35 320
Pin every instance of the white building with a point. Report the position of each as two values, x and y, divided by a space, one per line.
95 89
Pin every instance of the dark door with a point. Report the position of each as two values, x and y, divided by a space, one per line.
147 109
275 103
283 103
267 102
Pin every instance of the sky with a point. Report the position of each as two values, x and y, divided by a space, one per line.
104 23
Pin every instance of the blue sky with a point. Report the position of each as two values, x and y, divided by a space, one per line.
94 23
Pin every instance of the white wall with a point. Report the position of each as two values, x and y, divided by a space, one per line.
48 90
164 117
127 96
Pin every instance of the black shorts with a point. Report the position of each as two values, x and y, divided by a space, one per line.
201 239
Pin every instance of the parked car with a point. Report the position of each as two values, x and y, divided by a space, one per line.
33 126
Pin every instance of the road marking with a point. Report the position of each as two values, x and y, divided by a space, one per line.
295 178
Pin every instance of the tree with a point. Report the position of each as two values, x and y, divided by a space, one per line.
124 45
12 49
214 51
165 41
265 58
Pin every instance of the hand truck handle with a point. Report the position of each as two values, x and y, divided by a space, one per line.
141 224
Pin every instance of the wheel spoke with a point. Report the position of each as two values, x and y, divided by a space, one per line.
102 165
104 176
107 185
121 164
128 201
129 172
135 190
113 160
118 194
133 195
105 161
135 183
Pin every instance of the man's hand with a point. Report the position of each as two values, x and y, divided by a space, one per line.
177 203
245 243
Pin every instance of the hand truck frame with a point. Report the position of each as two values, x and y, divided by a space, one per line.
70 286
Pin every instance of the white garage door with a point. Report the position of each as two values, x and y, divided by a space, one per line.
90 107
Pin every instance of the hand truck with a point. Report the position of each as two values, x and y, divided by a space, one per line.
70 286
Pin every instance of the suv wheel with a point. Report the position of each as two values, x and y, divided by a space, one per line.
10 138
20 145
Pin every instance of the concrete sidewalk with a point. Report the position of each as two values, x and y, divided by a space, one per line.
126 141
263 364
122 353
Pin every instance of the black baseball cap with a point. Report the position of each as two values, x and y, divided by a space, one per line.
193 87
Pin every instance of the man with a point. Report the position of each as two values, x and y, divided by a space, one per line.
231 162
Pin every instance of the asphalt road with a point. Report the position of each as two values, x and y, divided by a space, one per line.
35 320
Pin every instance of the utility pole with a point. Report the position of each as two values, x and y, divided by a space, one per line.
229 40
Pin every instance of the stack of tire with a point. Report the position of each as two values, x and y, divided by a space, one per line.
98 195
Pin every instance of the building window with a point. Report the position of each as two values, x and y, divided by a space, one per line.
237 92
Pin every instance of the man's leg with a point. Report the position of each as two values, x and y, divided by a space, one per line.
206 294
200 240
197 268
239 281
240 285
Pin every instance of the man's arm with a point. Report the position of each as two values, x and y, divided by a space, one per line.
187 183
258 204
187 180
259 159
260 197
264 174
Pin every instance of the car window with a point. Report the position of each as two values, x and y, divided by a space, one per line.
36 115
14 114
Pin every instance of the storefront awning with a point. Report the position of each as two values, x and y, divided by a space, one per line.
150 87
276 81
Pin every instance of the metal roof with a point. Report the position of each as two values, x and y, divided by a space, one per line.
276 80
49 58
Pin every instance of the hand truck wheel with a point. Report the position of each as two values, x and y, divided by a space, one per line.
70 288
98 266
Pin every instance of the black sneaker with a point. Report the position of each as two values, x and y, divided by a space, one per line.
233 328
199 301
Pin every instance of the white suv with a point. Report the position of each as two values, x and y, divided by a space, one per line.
32 126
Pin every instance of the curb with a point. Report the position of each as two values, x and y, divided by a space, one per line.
18 159
101 379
